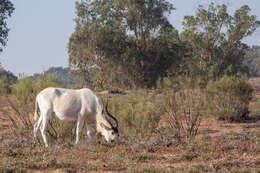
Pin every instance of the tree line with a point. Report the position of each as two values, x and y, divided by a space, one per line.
131 44
134 45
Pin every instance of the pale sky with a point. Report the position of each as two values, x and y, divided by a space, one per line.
40 30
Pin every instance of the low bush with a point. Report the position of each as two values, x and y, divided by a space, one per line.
6 80
138 113
229 97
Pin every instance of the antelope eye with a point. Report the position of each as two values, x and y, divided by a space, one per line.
112 132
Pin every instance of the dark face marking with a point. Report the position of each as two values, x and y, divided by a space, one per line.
115 131
111 131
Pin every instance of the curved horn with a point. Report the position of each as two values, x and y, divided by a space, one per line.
110 115
103 105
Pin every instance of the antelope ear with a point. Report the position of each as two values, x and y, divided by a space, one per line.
105 127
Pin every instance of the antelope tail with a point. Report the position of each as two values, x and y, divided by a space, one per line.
36 110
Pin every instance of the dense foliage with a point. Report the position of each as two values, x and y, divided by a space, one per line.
132 44
214 38
6 9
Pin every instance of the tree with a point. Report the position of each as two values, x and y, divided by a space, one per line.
214 38
127 39
6 9
252 61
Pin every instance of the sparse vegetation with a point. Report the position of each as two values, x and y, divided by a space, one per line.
142 147
184 110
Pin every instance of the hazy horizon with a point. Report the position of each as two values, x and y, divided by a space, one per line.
40 31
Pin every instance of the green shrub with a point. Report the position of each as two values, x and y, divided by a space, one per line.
26 89
6 80
229 97
138 113
3 90
23 90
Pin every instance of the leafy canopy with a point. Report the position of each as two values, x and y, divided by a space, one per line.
215 40
132 44
6 9
124 37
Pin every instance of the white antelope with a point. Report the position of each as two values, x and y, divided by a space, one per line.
80 105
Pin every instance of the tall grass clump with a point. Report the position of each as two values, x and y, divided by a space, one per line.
184 109
164 83
229 97
138 113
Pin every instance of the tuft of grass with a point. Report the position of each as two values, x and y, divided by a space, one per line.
184 110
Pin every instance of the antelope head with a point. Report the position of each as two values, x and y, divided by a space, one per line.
110 132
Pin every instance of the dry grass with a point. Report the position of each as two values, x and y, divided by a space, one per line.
219 147
229 151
